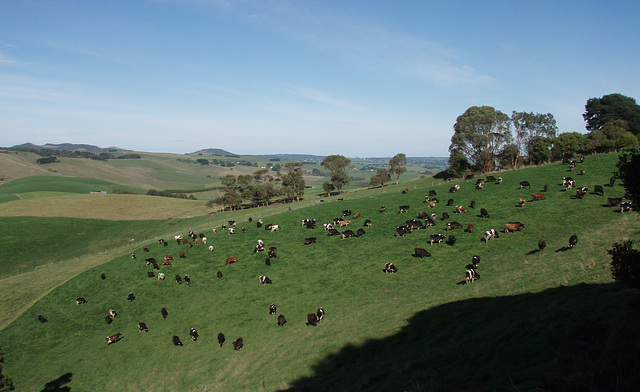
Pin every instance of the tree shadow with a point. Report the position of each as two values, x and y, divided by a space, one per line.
578 338
58 385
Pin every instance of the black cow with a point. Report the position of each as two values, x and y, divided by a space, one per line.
452 240
108 319
389 268
221 339
178 279
310 240
81 300
437 238
272 309
187 279
453 225
150 274
194 334
401 231
491 179
573 240
402 209
320 313
444 216
472 204
273 252
475 260
541 244
415 224
238 344
177 341
525 184
432 193
360 232
612 181
142 327
367 223
614 201
42 319
484 213
419 252
333 232
346 213
599 189
164 313
348 234
450 202
312 319
131 297
267 261
103 276
219 274
281 320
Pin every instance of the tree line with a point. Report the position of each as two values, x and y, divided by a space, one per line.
486 139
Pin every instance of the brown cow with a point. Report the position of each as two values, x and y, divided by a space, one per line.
546 187
197 241
513 226
344 223
184 240
168 257
470 228
581 192
538 196
521 202
182 255
356 215
231 260
166 262
405 191
460 210
114 338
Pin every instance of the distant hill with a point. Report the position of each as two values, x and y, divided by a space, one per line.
69 147
214 152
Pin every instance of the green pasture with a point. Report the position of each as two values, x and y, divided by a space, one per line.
549 320
60 184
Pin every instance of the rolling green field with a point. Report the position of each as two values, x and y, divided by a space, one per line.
536 320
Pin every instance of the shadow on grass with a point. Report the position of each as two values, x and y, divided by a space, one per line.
59 384
578 338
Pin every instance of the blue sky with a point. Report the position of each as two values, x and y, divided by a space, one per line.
356 78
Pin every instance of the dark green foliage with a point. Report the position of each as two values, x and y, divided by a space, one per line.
6 383
625 264
398 166
155 192
629 172
601 111
44 161
337 166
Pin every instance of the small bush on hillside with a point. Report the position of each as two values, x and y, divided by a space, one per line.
625 264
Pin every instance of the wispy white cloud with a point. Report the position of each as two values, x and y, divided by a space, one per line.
323 98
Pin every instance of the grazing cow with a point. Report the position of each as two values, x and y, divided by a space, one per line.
346 213
452 240
103 276
131 297
320 313
360 232
581 192
232 230
436 238
214 231
461 210
108 320
454 188
142 327
415 224
194 334
389 268
238 344
210 248
521 202
450 202
402 209
145 249
310 240
112 313
166 262
499 180
480 185
312 319
156 266
197 241
187 279
453 225
259 223
419 252
422 215
599 189
149 261
219 274
264 280
164 313
626 206
356 215
583 172
178 279
612 180
490 234
367 223
401 231
470 228
405 191
472 204
267 261
185 241
614 201
273 252
204 240
475 260
383 208
168 257
275 228
327 226
546 187
182 255
427 199
114 338
80 300
221 339
432 192
42 319
133 255
281 320
272 309
333 232
541 244
268 226
470 275
573 240
525 184
491 179
484 213
538 196
513 226
177 341
431 204
160 276
231 260
348 234
444 216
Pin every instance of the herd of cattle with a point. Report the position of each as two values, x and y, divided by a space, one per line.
339 227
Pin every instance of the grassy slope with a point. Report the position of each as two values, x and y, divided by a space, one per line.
416 330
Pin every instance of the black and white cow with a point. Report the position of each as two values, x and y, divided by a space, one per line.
272 309
264 280
238 344
453 225
178 279
475 260
142 327
525 184
131 297
194 334
310 240
81 300
187 279
389 268
320 313
490 234
436 238
112 313
348 234
471 275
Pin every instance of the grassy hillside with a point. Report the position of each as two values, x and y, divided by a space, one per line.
551 320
